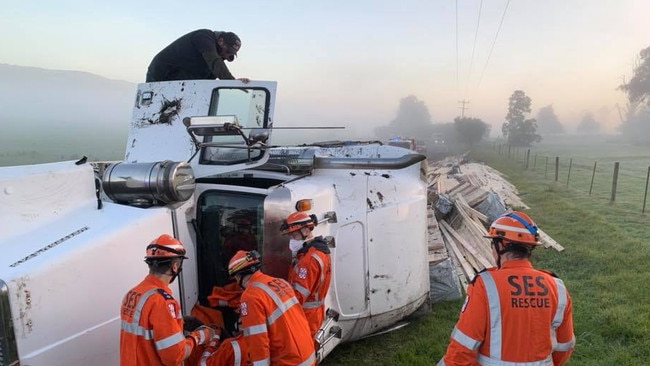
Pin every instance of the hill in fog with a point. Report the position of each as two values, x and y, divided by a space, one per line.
49 114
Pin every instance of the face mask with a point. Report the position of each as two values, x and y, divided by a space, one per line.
295 245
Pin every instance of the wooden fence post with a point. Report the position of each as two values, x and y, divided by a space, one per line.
645 194
569 175
614 182
527 158
557 167
593 174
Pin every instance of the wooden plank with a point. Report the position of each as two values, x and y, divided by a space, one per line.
477 198
458 188
465 266
547 241
475 230
471 211
479 257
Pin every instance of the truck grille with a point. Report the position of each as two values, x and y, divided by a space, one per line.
8 349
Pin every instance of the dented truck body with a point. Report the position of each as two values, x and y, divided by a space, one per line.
199 165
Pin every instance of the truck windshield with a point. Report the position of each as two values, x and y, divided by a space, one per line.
251 108
227 222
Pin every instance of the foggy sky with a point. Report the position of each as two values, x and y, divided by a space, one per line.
350 63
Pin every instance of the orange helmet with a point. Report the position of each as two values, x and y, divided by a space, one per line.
165 247
515 227
296 221
244 262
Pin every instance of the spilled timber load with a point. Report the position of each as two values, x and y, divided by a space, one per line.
465 198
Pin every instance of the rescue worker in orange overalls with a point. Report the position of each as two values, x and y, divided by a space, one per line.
230 352
273 324
152 323
312 267
513 314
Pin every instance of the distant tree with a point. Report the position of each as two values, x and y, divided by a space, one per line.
518 130
638 88
635 125
412 120
547 121
470 131
588 125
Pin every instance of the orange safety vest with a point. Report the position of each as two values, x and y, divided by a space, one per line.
274 326
152 326
310 278
515 314
229 353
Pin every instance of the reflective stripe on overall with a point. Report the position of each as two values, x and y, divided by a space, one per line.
494 304
281 308
305 292
134 327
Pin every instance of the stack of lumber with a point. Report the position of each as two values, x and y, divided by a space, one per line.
462 231
437 250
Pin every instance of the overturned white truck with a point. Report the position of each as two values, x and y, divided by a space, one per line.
199 165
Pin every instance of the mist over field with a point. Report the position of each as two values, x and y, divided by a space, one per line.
52 115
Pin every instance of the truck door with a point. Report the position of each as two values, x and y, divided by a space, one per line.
162 110
226 221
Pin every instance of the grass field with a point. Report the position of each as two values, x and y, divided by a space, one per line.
604 266
587 166
45 146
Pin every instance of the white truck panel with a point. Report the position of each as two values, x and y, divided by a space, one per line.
67 274
157 131
69 296
25 204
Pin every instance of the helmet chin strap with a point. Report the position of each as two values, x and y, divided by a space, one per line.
500 252
176 273
241 280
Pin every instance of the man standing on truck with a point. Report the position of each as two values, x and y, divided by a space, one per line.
513 314
200 54
152 323
312 268
275 328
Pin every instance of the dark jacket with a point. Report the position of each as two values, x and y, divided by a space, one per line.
192 56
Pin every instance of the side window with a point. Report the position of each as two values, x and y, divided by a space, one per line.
227 222
250 107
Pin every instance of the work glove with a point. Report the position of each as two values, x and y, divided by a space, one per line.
204 334
208 351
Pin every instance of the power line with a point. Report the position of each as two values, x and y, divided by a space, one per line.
463 102
493 43
457 62
471 62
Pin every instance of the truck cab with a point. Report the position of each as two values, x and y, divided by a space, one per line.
199 165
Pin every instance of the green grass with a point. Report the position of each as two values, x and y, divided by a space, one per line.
604 265
45 146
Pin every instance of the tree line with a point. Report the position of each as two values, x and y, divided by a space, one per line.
519 129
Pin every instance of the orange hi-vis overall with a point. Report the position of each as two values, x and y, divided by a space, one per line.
230 352
515 315
310 278
152 326
274 326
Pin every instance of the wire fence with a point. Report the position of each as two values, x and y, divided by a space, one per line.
622 181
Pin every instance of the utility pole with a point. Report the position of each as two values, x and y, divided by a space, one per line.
463 102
